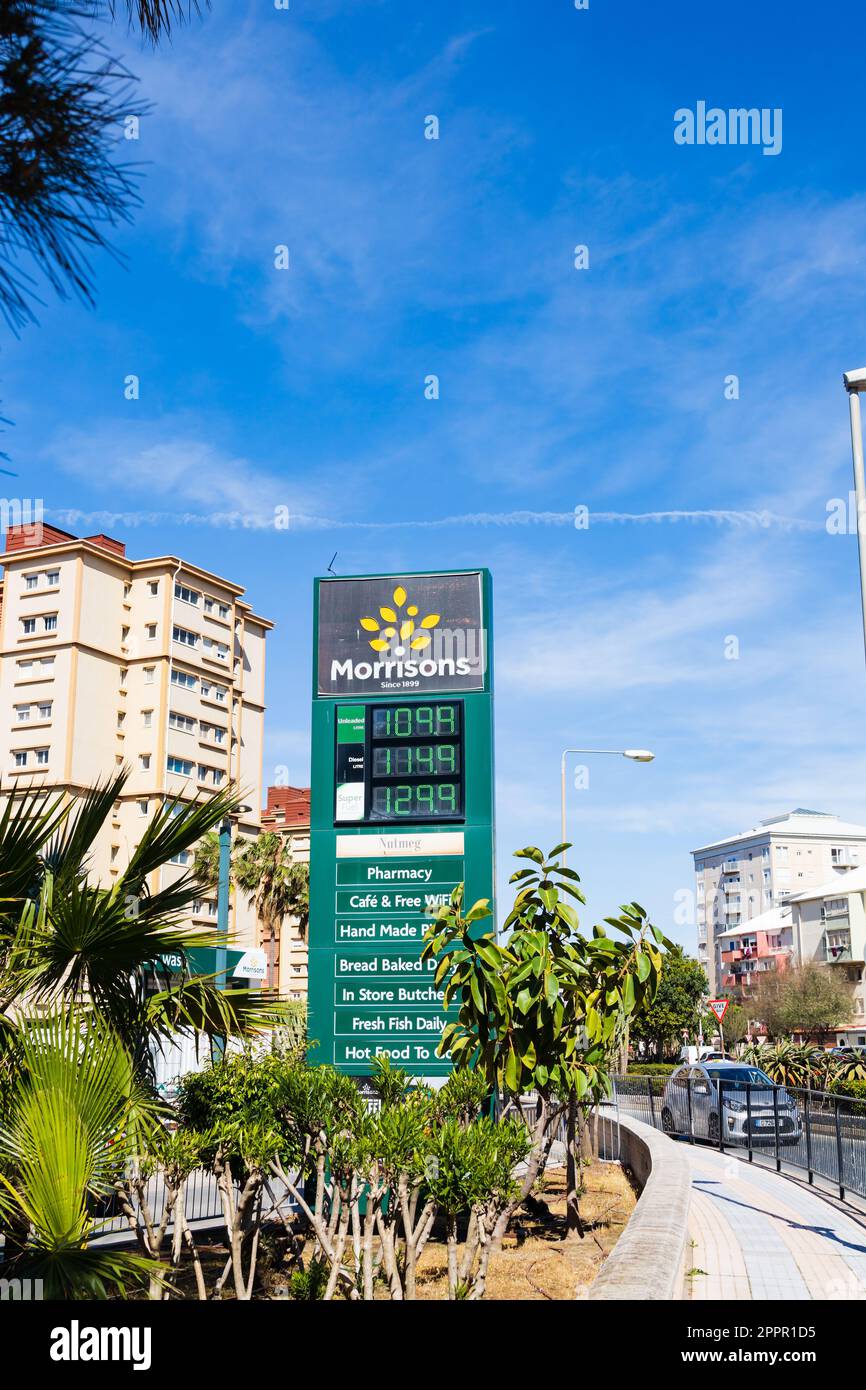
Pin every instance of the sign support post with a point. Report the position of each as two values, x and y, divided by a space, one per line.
719 1007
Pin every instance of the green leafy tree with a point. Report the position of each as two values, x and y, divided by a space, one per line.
543 1012
676 1007
807 998
471 1169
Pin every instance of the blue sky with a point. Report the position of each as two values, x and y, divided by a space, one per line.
559 387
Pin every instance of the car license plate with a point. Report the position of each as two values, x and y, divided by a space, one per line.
764 1124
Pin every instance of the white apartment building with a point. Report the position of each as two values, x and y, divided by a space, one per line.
155 665
742 877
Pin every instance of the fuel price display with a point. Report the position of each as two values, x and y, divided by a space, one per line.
409 758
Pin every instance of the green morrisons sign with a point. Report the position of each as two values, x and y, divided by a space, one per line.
402 803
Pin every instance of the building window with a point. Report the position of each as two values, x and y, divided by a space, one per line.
150 631
149 672
47 661
182 857
181 722
183 766
23 713
20 759
147 718
121 719
28 625
50 622
844 856
144 761
42 757
184 636
45 710
153 586
143 807
53 577
183 678
115 850
127 590
223 610
186 595
31 580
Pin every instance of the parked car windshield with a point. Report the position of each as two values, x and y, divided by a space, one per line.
740 1076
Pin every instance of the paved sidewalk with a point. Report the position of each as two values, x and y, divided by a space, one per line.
755 1234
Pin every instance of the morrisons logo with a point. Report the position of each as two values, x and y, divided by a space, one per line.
400 670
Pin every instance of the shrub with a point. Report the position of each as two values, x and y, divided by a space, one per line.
842 1086
650 1069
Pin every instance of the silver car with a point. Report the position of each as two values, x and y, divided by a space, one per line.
748 1107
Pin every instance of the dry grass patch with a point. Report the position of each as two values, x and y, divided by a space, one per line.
535 1262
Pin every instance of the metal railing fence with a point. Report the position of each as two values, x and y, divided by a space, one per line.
819 1132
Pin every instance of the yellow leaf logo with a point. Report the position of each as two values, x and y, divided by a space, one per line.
400 623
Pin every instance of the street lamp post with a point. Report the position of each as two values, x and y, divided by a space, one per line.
225 862
635 755
855 382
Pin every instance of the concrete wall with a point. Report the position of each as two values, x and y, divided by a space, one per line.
648 1260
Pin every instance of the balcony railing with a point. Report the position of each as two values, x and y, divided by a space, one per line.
836 946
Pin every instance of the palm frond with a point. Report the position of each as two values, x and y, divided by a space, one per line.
74 1113
27 822
197 1005
175 827
68 853
155 18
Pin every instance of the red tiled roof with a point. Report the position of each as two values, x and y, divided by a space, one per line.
287 806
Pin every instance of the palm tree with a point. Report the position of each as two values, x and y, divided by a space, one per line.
67 942
276 885
84 1000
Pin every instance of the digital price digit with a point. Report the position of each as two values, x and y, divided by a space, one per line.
415 800
415 721
416 760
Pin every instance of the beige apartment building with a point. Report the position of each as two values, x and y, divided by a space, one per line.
745 876
155 665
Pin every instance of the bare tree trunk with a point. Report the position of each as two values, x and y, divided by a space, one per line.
534 1165
453 1274
573 1223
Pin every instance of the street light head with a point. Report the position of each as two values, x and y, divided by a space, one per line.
639 755
855 381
